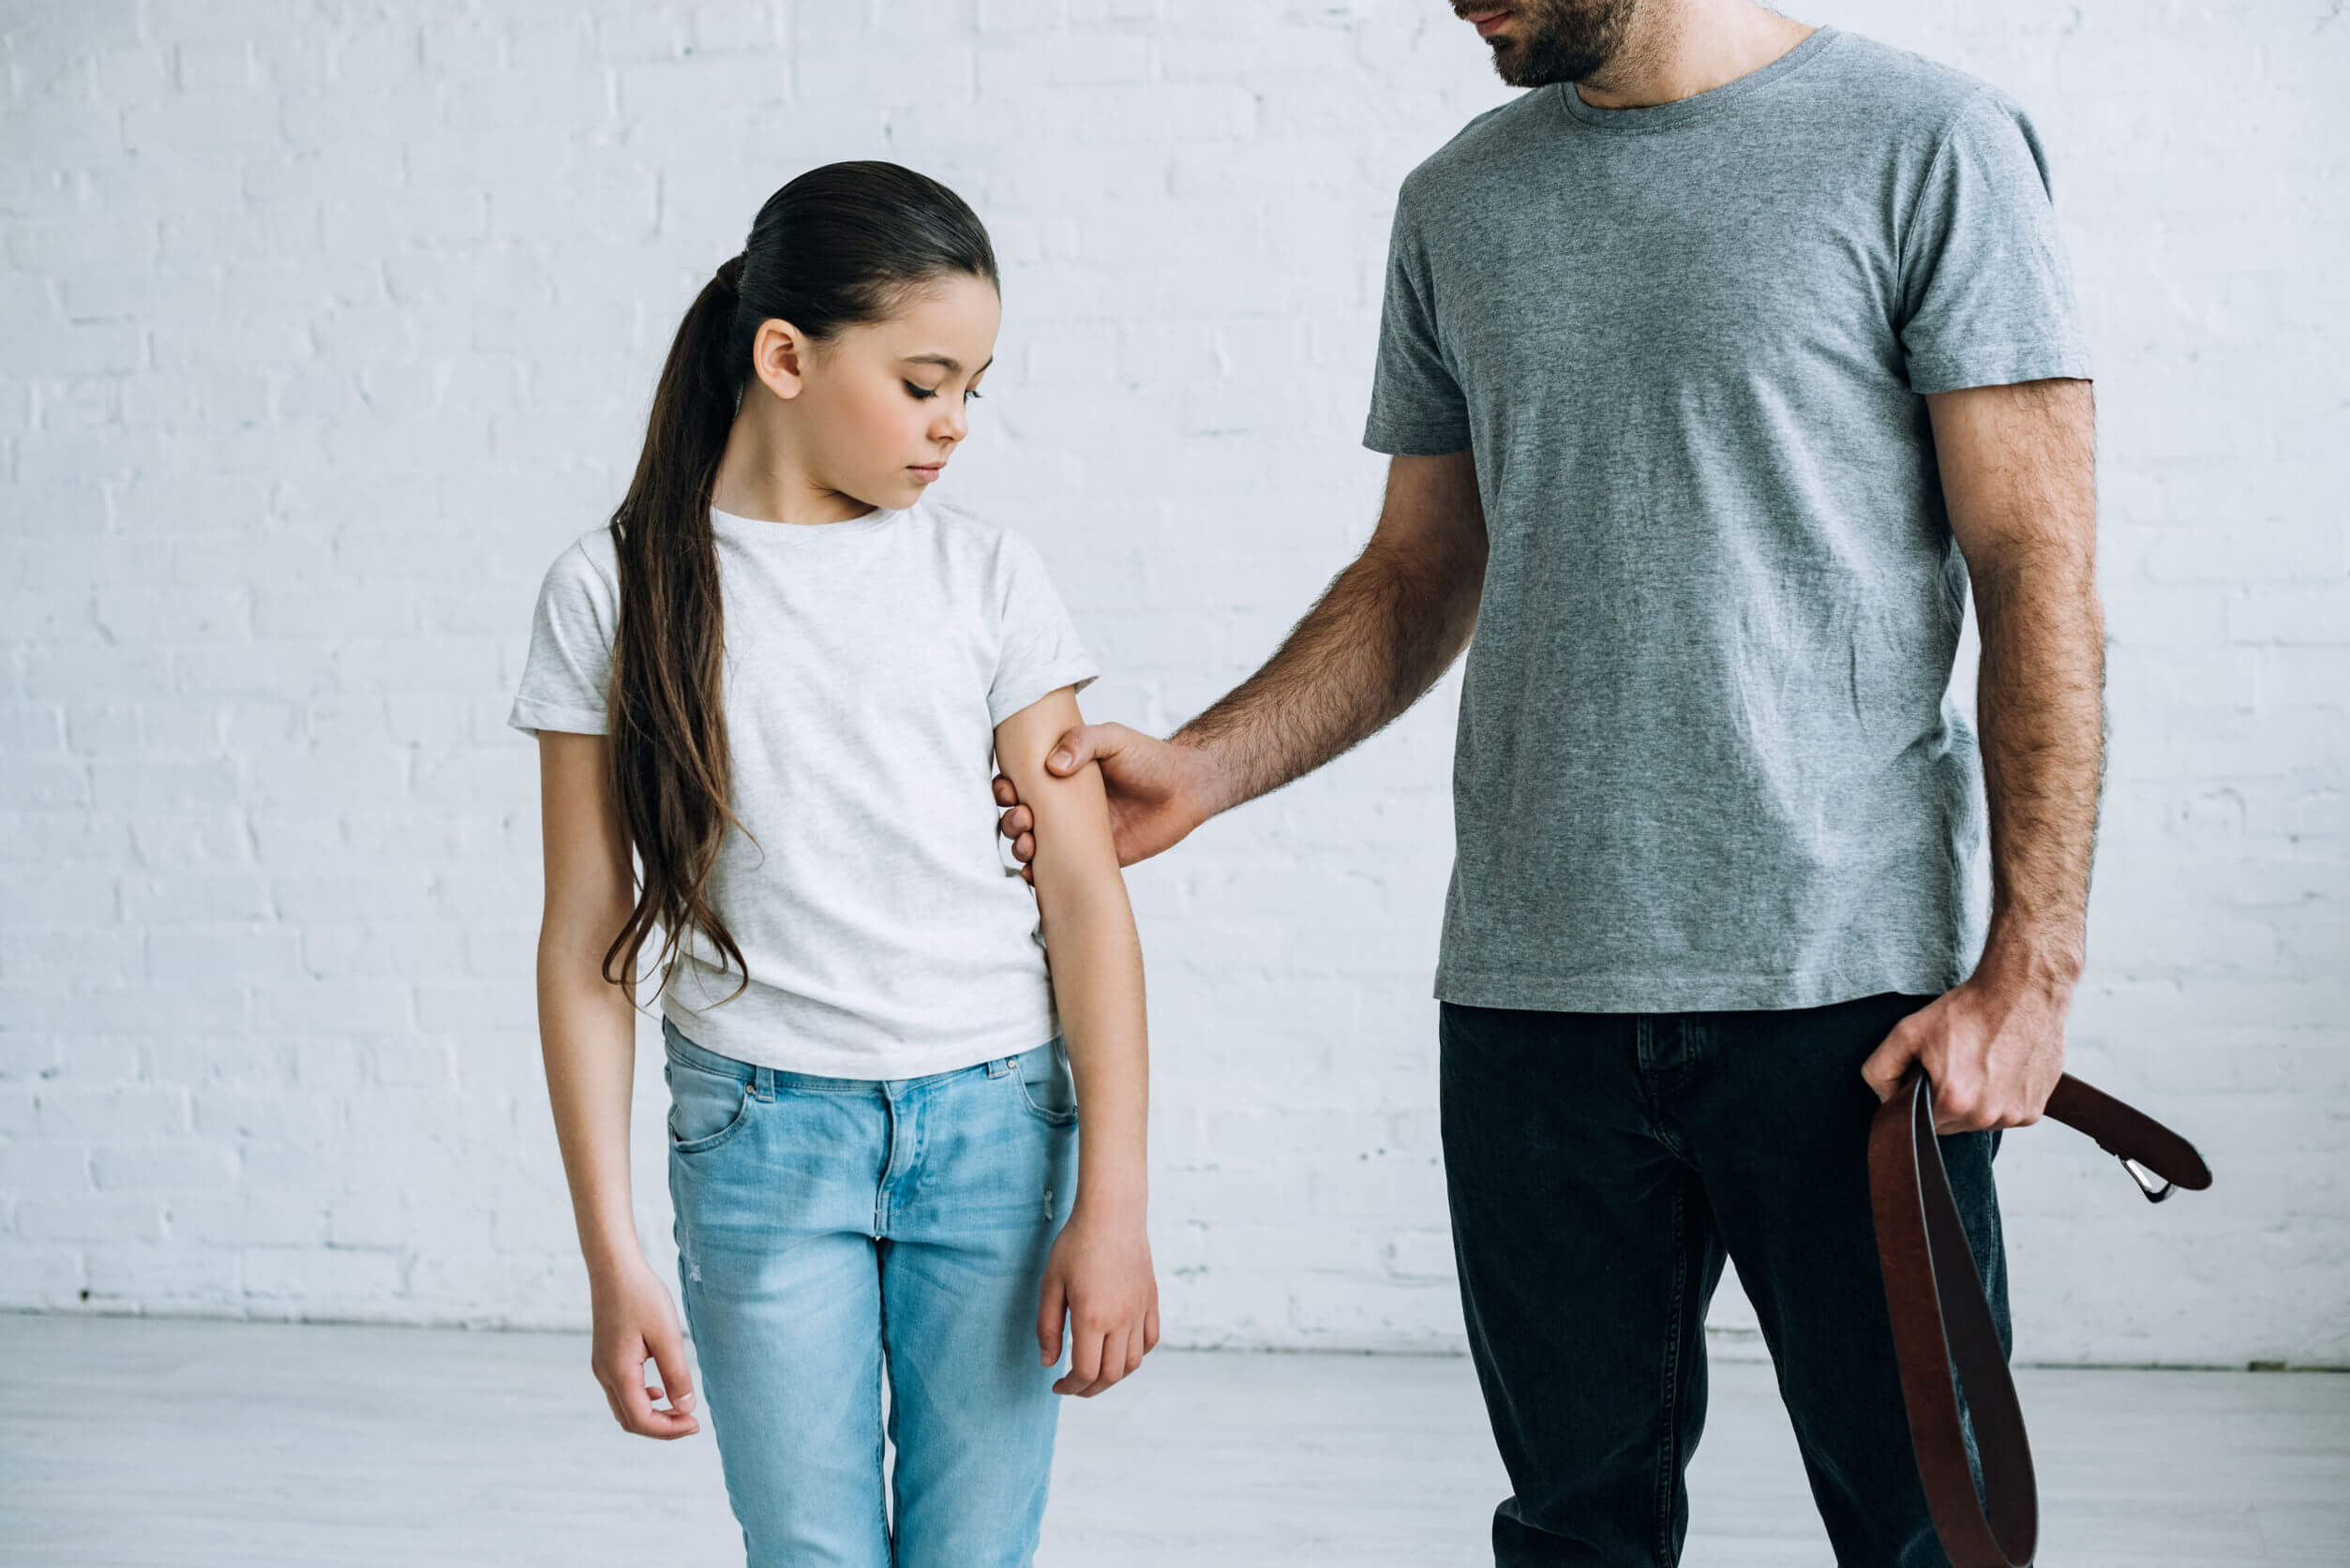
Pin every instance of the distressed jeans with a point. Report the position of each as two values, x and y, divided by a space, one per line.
1600 1167
833 1232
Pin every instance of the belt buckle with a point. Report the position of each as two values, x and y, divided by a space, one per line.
2154 1187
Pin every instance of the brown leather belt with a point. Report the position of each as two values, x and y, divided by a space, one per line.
1943 1333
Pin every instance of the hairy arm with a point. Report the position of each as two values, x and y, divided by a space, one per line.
2019 472
1376 640
1100 1273
2019 466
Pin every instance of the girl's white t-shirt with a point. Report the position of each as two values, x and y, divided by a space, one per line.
866 666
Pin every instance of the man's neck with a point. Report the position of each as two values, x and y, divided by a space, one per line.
1677 49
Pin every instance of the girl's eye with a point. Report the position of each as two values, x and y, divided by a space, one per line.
921 393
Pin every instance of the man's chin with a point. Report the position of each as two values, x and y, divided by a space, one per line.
1519 66
1561 45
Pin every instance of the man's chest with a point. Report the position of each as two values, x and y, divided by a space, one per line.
1597 273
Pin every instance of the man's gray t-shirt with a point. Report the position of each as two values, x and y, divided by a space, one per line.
1707 758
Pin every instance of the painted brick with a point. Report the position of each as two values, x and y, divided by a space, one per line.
330 325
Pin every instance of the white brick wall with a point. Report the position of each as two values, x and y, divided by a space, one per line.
326 328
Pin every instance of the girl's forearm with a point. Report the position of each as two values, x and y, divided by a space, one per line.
588 1038
1097 961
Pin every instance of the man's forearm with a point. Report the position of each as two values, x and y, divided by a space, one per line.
2041 700
1374 642
2019 471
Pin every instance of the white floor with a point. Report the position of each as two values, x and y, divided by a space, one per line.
162 1442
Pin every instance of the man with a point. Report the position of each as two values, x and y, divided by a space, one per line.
1713 367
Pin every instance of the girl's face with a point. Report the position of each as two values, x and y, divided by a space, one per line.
879 410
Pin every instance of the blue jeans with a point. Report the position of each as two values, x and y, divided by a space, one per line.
1601 1167
834 1231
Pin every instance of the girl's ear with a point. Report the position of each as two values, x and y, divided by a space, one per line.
778 356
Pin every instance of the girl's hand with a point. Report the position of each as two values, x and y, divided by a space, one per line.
635 1318
1099 1275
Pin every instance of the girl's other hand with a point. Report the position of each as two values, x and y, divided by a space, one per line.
1100 1278
635 1318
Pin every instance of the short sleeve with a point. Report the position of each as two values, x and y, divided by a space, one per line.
563 677
1987 292
1039 649
1415 401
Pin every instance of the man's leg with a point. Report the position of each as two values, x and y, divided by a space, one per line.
1586 1255
1777 1118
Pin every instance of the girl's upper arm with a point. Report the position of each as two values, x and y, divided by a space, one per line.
1072 814
590 882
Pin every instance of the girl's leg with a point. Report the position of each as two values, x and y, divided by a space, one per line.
772 1176
972 1410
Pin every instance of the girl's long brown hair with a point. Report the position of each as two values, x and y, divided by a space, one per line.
840 245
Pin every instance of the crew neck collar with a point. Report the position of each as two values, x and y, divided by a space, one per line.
1697 106
760 529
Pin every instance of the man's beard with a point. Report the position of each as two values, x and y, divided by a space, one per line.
1565 40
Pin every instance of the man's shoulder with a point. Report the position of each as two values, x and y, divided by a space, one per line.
1899 89
1504 129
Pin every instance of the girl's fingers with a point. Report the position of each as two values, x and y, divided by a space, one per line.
1051 1307
673 1421
633 1402
1150 1328
1113 1360
668 1356
1085 1361
1104 1367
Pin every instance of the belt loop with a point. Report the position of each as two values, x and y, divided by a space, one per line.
999 1067
763 1082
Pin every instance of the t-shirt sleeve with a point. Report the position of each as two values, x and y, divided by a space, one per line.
1987 292
570 649
1416 405
1039 649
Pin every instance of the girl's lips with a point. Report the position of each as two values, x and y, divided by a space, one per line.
926 473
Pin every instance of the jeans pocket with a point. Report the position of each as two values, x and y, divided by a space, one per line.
706 1107
1047 1088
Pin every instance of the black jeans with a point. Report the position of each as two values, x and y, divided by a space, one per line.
1600 1166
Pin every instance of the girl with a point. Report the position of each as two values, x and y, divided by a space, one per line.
777 678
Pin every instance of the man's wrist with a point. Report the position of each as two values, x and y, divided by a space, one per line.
1205 787
2042 961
